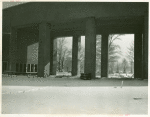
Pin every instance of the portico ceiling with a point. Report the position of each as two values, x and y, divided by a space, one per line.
71 15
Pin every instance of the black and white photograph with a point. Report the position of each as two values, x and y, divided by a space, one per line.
75 57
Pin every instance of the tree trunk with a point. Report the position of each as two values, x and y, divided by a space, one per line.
59 66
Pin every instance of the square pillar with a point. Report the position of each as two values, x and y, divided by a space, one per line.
90 47
145 48
13 50
104 55
76 47
138 55
44 50
53 56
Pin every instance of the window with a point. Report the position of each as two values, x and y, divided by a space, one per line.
35 67
28 68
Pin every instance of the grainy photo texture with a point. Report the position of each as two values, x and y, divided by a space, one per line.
75 58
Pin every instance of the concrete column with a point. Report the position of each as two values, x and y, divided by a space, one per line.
13 49
145 48
90 47
53 56
76 47
104 55
44 50
138 55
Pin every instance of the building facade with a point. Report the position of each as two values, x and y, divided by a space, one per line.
42 22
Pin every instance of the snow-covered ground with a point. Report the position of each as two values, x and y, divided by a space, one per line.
74 100
69 81
23 95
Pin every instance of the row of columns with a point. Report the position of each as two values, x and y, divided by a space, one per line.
26 67
19 67
90 51
47 45
47 56
32 67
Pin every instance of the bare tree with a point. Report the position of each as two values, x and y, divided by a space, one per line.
114 51
68 60
98 54
130 55
61 53
124 65
81 57
117 67
111 67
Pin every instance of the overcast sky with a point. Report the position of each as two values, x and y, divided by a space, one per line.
124 42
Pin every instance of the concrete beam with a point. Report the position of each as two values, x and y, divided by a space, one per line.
104 55
44 50
76 47
90 47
